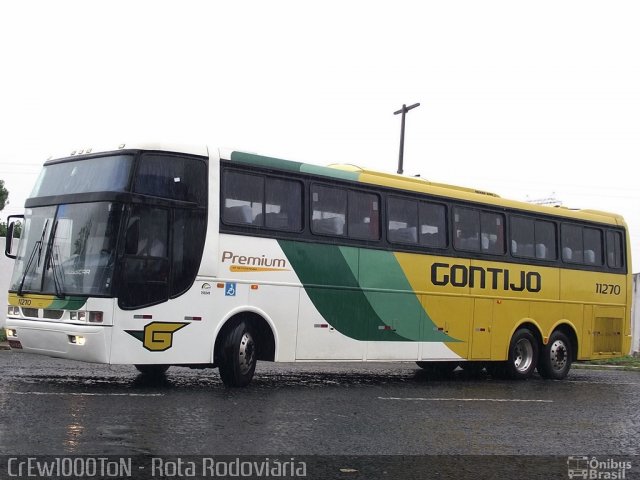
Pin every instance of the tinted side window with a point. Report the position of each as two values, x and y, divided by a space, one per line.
243 197
433 225
364 216
283 205
545 237
402 220
572 244
533 238
614 249
169 176
522 237
592 246
145 269
329 210
492 233
189 227
466 229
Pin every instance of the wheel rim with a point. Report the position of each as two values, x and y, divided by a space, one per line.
247 353
558 355
523 355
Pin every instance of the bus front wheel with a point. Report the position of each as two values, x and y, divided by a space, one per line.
555 360
237 361
523 354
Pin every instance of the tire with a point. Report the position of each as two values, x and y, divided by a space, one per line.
238 357
152 370
556 356
523 355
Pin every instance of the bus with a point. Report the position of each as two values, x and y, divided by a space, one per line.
155 256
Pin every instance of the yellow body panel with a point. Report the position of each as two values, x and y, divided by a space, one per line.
483 303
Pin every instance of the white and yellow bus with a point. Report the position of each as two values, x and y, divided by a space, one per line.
155 256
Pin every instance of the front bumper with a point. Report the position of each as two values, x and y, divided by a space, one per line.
87 343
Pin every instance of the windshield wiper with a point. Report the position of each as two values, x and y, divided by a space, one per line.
36 247
53 253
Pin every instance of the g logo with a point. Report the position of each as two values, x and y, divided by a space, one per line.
158 336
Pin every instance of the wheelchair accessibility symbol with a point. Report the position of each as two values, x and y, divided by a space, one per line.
230 289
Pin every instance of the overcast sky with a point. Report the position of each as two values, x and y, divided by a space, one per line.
526 99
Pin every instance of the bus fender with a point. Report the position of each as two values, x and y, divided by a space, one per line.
529 323
239 311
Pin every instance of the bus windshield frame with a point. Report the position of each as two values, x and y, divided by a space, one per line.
68 249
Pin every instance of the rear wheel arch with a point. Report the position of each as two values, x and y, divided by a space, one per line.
530 325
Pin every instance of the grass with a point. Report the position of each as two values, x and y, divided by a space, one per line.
626 361
3 336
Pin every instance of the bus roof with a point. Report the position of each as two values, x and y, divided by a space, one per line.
417 184
200 150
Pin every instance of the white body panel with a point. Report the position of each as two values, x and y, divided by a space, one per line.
237 274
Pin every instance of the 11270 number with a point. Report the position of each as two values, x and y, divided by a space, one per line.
608 289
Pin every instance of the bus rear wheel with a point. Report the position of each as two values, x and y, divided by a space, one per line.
238 358
555 360
523 355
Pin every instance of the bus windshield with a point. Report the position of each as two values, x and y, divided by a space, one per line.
68 249
100 174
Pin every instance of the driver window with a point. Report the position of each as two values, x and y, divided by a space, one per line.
147 232
145 279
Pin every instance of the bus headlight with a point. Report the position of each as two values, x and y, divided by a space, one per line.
77 339
11 333
13 311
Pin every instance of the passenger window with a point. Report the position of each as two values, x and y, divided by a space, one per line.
243 197
364 216
466 228
545 238
402 217
592 246
522 237
477 231
329 210
614 249
533 238
492 233
433 231
283 205
572 244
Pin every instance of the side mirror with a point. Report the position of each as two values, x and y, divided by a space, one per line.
13 231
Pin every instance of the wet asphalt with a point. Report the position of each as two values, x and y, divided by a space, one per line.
53 406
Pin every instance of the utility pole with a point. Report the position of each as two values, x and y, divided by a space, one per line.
403 111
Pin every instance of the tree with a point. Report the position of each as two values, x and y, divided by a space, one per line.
16 231
4 195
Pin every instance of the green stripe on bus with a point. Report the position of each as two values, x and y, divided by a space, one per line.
330 172
278 163
262 161
68 303
366 299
